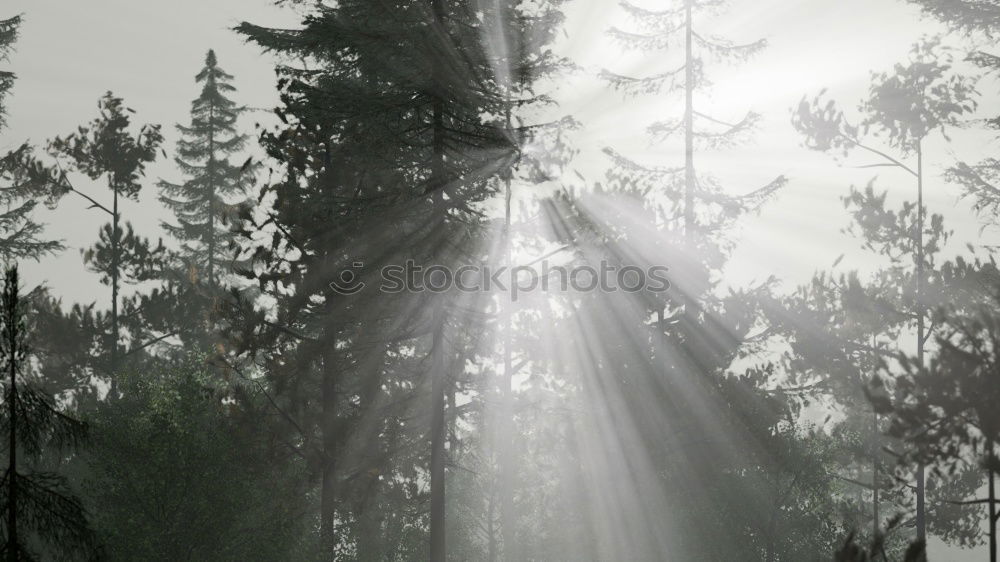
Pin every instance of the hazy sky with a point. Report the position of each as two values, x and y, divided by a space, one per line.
71 52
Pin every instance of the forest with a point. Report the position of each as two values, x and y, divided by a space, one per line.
417 308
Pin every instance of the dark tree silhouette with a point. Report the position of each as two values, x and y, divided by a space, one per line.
40 512
106 149
22 180
208 201
397 130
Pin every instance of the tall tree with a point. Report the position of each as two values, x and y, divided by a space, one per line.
207 202
22 181
920 97
838 329
700 203
106 149
946 408
40 513
393 118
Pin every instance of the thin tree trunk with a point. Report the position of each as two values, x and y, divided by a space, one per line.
491 532
689 178
371 425
328 493
921 480
438 548
507 525
12 541
115 274
438 436
876 523
991 468
210 169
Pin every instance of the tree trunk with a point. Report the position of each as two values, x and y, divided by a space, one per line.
991 468
371 426
507 463
210 169
921 481
689 179
115 259
876 524
330 436
438 551
12 541
438 436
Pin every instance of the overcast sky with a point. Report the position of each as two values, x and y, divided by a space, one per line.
71 52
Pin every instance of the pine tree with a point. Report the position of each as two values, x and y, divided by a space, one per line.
207 202
22 181
946 408
677 214
698 206
392 122
106 149
978 21
8 35
39 511
903 109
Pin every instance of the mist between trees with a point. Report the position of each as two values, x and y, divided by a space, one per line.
248 388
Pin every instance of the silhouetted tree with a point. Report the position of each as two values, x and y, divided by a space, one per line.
920 97
208 201
408 129
40 513
946 409
22 180
106 149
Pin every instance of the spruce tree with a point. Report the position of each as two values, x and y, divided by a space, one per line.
690 336
403 124
205 204
38 509
698 206
23 182
8 35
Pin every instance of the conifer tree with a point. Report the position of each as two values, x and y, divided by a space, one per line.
698 206
39 512
206 203
106 149
946 408
8 35
393 122
22 181
681 216
903 108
